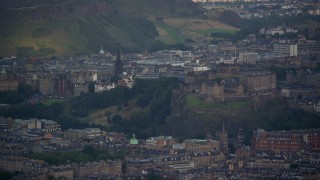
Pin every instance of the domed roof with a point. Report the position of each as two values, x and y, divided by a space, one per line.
101 51
134 140
3 71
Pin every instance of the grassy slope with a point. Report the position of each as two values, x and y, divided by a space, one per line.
176 30
100 118
132 23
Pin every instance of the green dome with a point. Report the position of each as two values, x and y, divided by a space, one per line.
134 140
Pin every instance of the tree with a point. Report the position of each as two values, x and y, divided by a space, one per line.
25 90
90 150
143 101
91 87
115 79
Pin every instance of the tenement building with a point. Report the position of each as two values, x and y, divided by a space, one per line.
293 141
259 82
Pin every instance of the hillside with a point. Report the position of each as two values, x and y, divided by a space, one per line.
41 28
159 107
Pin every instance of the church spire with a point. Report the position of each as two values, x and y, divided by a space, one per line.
223 127
118 53
118 67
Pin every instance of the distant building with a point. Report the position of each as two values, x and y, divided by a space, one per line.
101 52
43 124
213 90
160 141
65 172
50 126
233 86
24 165
79 88
80 134
275 31
7 82
224 141
248 58
259 82
201 145
46 86
6 123
285 49
263 141
315 11
134 140
286 141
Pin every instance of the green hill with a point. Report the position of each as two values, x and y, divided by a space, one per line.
67 27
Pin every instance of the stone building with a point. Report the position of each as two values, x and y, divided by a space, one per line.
233 86
256 83
24 165
213 89
248 58
286 141
7 82
46 86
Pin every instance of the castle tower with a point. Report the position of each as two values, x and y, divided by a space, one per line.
118 66
224 140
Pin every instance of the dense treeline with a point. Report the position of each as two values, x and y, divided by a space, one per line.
152 115
88 153
15 97
81 106
154 94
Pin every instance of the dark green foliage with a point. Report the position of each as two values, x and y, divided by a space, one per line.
84 104
188 40
231 18
31 52
88 153
140 31
115 79
4 175
275 115
53 112
62 157
91 87
280 72
249 26
41 32
144 100
89 150
25 90
158 45
10 97
154 176
159 19
157 93
117 119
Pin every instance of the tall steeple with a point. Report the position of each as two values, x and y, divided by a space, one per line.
224 140
118 66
